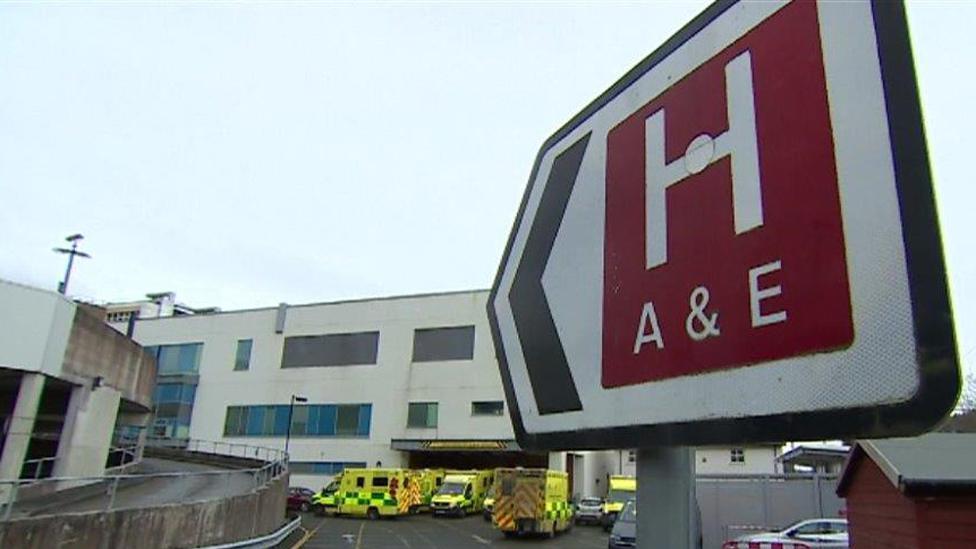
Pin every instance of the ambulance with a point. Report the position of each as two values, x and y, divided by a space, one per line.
531 501
370 493
620 489
325 501
462 492
429 482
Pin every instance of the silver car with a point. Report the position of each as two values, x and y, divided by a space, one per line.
814 533
588 510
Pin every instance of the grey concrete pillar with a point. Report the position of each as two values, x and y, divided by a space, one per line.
86 444
77 398
21 428
667 515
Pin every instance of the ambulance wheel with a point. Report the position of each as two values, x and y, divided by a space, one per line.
461 512
510 533
372 513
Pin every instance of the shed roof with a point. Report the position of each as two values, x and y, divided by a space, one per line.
933 462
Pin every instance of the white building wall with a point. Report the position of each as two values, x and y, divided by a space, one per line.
388 385
713 460
759 460
36 325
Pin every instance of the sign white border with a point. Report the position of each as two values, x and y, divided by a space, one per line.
879 367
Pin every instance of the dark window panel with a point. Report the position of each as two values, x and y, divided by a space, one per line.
422 414
488 408
436 344
347 419
330 350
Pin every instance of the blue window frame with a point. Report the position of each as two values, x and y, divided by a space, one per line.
255 421
280 421
317 420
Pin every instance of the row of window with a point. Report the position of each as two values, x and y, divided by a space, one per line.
323 467
424 414
315 420
354 349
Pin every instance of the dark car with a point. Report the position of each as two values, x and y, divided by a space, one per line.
300 499
624 533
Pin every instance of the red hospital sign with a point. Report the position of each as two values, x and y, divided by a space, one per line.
724 239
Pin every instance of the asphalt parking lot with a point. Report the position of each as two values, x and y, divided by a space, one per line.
425 531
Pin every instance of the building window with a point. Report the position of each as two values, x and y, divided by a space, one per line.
737 455
488 408
436 344
242 361
422 414
330 350
318 420
177 359
323 467
119 317
167 393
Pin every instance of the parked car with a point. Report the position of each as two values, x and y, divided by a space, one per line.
588 510
813 533
300 499
624 531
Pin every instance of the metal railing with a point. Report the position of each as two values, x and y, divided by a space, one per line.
35 469
219 447
274 463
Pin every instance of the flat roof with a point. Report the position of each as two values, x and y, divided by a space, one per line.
325 303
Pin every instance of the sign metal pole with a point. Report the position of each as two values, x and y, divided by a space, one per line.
666 508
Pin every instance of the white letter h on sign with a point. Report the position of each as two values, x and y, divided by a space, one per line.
738 142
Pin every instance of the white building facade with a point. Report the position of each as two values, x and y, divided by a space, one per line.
406 381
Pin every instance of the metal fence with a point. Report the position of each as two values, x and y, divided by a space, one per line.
25 494
732 506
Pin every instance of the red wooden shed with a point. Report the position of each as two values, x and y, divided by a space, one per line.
912 492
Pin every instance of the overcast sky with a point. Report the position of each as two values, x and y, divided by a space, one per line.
247 154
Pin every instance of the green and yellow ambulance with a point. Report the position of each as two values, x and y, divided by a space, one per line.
531 501
426 482
370 493
462 492
620 489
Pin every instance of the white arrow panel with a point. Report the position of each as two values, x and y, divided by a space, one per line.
573 280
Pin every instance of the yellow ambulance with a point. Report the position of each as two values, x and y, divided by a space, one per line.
430 482
462 492
620 489
531 501
370 493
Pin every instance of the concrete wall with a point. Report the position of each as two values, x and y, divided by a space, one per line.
388 385
96 350
179 525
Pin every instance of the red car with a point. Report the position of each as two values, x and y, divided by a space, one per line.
300 499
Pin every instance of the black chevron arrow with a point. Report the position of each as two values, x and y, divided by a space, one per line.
549 374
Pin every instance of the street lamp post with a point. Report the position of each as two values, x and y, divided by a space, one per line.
72 252
291 409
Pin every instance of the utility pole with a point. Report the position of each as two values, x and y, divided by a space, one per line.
72 252
291 409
